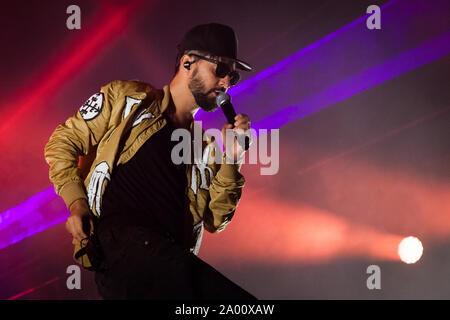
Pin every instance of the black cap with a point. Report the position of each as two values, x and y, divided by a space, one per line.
216 39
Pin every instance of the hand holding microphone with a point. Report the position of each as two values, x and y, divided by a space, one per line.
241 121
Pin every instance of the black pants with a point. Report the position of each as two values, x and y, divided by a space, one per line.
142 264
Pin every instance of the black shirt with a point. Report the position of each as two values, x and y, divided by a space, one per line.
150 190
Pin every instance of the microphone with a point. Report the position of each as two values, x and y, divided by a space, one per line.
223 100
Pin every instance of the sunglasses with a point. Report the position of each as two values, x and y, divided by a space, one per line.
222 69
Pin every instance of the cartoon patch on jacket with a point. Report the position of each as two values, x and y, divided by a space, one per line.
92 107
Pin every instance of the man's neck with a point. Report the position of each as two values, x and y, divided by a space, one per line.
182 106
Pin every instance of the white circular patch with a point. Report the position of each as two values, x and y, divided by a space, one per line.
92 107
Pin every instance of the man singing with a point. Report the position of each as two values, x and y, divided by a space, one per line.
137 217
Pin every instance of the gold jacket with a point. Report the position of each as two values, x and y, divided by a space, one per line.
108 130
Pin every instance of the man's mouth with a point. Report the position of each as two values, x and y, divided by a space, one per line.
216 91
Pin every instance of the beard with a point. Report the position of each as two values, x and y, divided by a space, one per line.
201 95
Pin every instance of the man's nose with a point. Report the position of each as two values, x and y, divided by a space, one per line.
225 82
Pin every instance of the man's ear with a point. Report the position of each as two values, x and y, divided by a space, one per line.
186 62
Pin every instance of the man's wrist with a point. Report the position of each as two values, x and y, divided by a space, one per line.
71 192
80 203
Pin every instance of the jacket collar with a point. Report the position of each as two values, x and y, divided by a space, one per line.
162 97
166 99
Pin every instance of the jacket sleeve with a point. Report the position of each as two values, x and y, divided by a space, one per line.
225 191
78 136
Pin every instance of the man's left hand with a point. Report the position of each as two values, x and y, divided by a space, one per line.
241 127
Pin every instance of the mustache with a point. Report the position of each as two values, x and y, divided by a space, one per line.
216 89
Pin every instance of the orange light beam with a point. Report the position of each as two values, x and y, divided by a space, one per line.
374 140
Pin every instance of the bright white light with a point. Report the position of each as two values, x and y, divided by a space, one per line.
410 250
